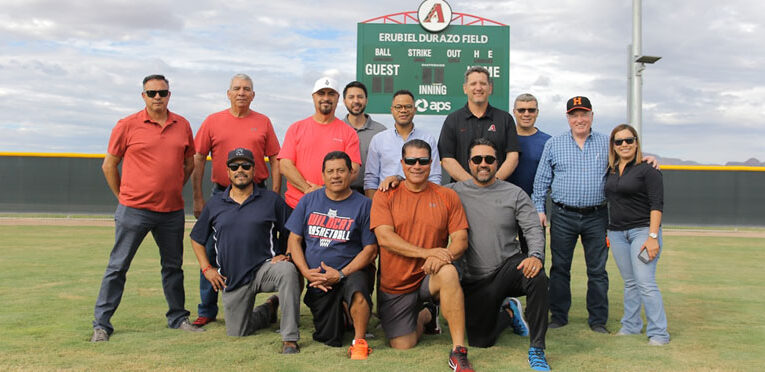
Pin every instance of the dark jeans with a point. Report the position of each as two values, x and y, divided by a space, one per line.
565 228
484 321
131 227
208 305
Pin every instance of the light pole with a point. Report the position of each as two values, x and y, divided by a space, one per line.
636 63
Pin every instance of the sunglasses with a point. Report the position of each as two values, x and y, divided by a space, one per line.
629 140
524 110
488 159
413 161
152 93
235 166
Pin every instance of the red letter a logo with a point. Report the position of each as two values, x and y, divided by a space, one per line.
436 11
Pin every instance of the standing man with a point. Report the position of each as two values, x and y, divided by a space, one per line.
309 140
247 225
333 223
478 119
355 99
157 148
494 267
237 126
573 166
383 160
421 228
531 140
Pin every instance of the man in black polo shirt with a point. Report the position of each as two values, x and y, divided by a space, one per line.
247 225
478 119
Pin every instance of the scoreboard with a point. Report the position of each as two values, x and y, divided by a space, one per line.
431 65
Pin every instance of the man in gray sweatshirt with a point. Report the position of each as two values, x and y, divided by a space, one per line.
493 267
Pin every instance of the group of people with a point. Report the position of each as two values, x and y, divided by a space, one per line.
357 217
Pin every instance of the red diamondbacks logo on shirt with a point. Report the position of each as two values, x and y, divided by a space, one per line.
492 128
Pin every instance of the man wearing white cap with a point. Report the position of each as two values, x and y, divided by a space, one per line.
307 142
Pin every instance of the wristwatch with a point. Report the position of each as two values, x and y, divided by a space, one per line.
342 276
653 235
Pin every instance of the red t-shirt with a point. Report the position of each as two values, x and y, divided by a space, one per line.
425 219
307 142
222 132
152 160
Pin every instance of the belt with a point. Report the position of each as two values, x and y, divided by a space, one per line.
220 187
583 210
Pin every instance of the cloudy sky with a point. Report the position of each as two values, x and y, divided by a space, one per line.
70 69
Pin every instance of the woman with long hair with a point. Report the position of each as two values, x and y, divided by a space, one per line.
635 195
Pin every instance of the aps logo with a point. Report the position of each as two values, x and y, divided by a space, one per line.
434 15
423 105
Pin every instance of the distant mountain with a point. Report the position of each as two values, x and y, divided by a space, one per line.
752 162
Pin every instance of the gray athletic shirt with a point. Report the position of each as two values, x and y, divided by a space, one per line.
492 213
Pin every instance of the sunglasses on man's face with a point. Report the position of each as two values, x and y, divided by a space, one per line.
413 161
629 140
235 166
152 93
523 110
478 159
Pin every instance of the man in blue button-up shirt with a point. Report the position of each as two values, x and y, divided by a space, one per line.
573 168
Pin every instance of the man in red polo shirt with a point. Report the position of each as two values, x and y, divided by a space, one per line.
309 140
234 127
157 148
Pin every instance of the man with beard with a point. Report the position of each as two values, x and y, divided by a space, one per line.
247 225
355 99
333 225
494 267
309 140
221 132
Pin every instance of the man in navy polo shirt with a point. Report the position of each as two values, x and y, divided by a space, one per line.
339 251
247 225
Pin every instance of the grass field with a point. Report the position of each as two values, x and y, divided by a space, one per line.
50 275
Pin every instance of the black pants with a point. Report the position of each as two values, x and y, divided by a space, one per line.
484 321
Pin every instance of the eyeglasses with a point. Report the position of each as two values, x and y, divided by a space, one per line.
524 110
152 93
413 161
488 159
629 140
403 107
235 166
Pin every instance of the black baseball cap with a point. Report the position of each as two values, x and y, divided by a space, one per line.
240 153
578 103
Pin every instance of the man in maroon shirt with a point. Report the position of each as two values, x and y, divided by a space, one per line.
156 149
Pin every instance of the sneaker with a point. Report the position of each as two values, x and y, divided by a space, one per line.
520 327
290 347
187 326
537 360
273 301
99 335
458 360
202 320
651 342
359 350
599 328
432 327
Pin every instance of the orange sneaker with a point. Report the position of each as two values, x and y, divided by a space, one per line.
359 350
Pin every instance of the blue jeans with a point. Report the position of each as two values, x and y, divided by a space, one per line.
639 284
131 227
208 306
565 228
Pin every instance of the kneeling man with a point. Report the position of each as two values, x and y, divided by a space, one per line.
493 265
333 225
247 224
421 228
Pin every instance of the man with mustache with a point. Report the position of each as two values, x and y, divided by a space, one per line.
309 140
221 132
355 99
247 225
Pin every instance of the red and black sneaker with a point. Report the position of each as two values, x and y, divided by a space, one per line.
458 360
